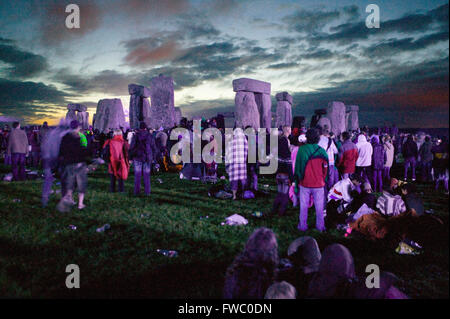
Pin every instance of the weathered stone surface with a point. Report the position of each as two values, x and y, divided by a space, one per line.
324 122
353 120
71 115
162 111
139 90
109 115
77 107
246 113
83 119
251 85
264 103
178 116
284 96
284 114
336 113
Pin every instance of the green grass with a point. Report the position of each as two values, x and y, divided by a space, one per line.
36 244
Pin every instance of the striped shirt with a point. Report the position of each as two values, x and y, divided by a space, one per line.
391 205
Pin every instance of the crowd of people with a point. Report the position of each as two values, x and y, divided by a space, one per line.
338 175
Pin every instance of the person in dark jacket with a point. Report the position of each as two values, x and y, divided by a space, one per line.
284 175
440 164
410 152
411 199
73 156
378 160
348 154
255 269
426 158
142 153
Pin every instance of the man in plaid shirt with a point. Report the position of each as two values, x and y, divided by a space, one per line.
237 160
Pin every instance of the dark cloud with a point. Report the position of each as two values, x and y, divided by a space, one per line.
52 16
29 100
21 64
279 66
393 46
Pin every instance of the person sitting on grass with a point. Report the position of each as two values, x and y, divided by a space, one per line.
411 199
255 269
339 197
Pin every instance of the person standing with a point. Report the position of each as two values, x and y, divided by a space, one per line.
142 153
410 153
284 175
73 156
118 161
18 150
348 154
378 160
364 160
426 157
390 151
237 161
311 170
328 144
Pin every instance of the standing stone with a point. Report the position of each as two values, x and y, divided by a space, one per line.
77 107
247 113
139 106
324 123
71 115
178 116
109 115
336 113
284 109
83 119
162 102
260 92
264 103
353 121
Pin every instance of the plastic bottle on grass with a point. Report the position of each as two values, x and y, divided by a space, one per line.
168 253
103 228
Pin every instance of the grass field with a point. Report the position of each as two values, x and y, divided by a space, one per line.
36 244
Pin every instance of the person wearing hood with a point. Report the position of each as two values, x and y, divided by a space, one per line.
18 150
142 153
390 152
118 161
410 153
378 160
364 160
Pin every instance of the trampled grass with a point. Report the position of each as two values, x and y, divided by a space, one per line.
36 244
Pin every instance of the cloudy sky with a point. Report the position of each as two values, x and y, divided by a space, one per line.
318 51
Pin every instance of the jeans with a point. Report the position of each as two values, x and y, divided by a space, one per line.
48 180
319 197
282 198
410 161
387 174
112 185
142 169
363 171
18 166
426 171
8 160
333 176
36 156
378 180
252 177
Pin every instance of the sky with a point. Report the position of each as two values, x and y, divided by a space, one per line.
318 51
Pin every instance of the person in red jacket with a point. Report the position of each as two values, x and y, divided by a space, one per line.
310 175
348 154
119 165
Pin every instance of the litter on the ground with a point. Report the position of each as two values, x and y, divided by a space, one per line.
168 253
16 200
103 228
257 214
73 227
235 220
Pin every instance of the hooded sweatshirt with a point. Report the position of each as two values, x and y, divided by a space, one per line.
365 151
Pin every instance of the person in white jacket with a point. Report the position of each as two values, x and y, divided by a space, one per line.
389 149
364 160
